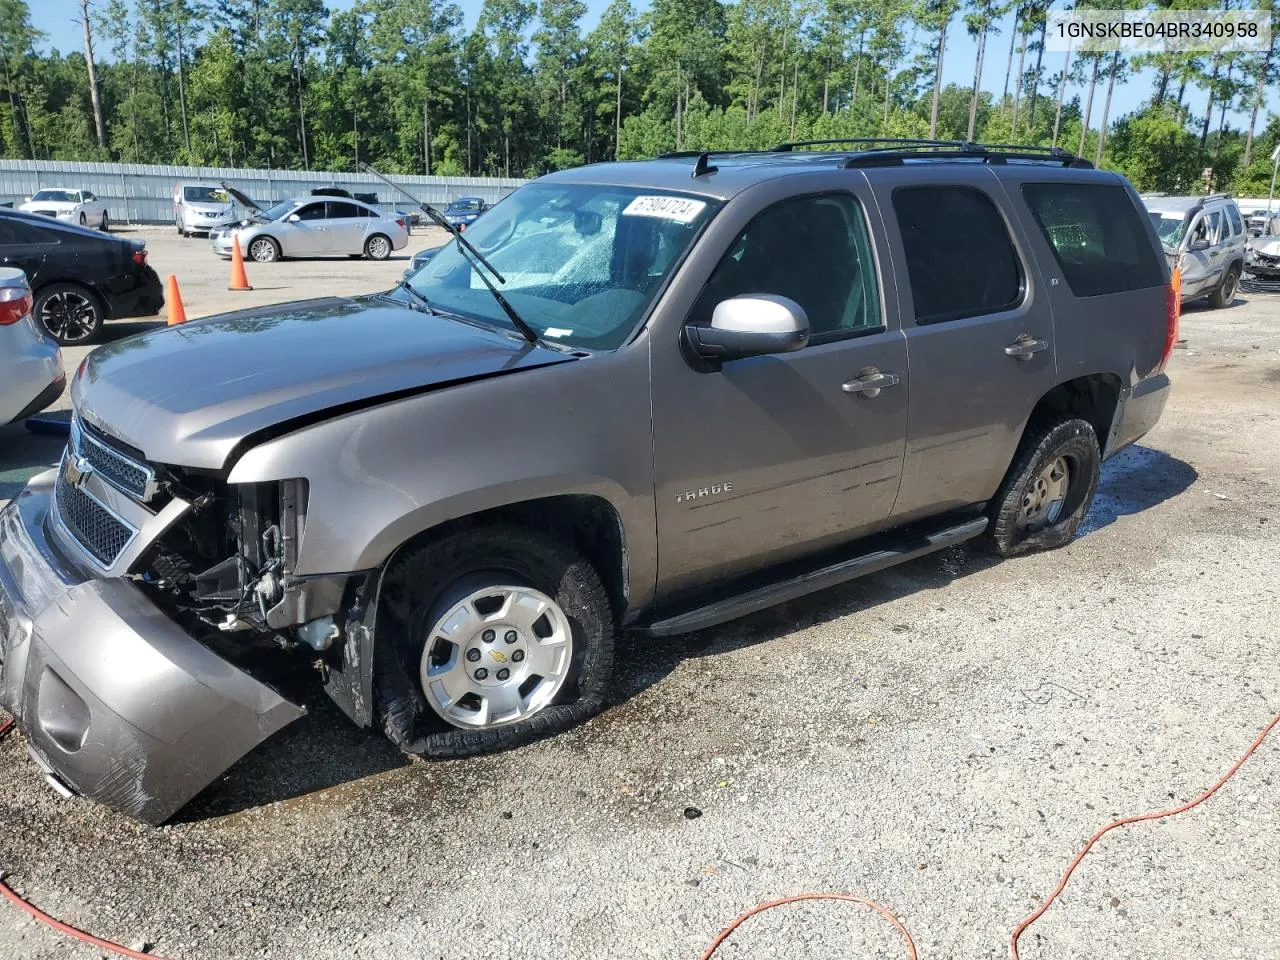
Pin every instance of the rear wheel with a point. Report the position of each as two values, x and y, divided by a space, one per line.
68 313
263 250
1047 491
377 247
105 224
490 637
1225 293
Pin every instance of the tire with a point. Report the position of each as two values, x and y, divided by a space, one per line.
263 250
105 224
425 590
69 313
1224 294
1044 447
378 247
83 221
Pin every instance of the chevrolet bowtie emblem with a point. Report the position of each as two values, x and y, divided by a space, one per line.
78 471
498 657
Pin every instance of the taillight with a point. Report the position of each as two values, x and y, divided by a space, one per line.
15 303
1172 311
400 223
140 257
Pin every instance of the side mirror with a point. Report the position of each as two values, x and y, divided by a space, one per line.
1198 245
753 325
293 218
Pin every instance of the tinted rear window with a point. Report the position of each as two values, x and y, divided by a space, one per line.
1097 236
960 259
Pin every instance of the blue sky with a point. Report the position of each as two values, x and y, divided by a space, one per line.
57 19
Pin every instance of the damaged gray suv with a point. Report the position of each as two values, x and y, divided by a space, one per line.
642 397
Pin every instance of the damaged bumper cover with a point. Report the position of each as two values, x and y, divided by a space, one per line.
118 703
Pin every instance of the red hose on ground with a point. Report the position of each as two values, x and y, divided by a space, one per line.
1048 902
724 934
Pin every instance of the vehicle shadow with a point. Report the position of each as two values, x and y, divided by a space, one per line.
325 750
24 454
114 330
1136 479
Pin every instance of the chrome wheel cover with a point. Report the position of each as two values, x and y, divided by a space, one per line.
68 316
379 248
495 657
262 250
1042 502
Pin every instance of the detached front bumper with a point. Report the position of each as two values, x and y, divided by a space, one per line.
117 702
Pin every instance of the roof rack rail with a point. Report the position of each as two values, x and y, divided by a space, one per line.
895 141
890 151
1215 196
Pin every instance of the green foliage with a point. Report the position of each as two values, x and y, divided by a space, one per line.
404 85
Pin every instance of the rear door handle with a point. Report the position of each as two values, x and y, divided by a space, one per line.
1026 347
870 382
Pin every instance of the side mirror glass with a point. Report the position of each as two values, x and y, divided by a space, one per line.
1199 245
753 325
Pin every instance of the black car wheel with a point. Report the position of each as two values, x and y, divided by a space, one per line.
68 313
264 250
105 225
83 221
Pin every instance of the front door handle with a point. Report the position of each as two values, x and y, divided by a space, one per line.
870 382
1025 347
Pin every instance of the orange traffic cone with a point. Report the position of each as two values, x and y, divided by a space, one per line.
238 279
177 313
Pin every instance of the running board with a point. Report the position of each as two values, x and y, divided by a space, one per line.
763 597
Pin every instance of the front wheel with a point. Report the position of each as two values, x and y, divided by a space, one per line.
105 224
1047 491
263 250
68 313
377 247
490 638
1225 293
83 221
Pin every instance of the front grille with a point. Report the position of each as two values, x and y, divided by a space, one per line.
95 528
46 213
119 469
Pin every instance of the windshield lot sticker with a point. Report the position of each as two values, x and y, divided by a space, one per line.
665 208
557 332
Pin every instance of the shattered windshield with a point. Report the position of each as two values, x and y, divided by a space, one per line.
581 264
1169 227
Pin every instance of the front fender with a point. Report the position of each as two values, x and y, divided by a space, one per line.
380 476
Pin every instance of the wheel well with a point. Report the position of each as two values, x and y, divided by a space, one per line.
1093 398
589 523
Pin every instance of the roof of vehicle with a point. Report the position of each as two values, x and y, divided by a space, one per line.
67 189
467 200
1158 203
721 175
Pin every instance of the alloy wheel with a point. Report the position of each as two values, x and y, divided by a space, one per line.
496 656
69 317
1042 503
379 248
262 250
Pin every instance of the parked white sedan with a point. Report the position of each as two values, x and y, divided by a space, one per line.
312 227
31 373
70 206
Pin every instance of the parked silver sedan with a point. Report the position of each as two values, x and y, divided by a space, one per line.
31 373
312 227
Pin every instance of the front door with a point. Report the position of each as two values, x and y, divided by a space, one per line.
769 458
1202 254
308 236
979 334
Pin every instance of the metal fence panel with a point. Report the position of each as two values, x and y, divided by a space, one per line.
142 193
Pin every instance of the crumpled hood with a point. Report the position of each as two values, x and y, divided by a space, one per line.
1269 245
187 395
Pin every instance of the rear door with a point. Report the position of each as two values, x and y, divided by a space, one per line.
347 224
979 332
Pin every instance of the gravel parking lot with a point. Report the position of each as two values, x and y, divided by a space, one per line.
941 737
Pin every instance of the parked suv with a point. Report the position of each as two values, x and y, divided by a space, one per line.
1206 236
646 397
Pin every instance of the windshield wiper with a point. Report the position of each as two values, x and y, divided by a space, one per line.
468 253
415 295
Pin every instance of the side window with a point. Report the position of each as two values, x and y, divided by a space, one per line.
960 258
1215 227
1096 235
1237 225
340 210
312 211
814 250
367 212
86 195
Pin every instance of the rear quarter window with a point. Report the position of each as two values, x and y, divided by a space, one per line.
1237 225
1097 236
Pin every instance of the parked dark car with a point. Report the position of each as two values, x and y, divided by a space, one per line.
369 198
80 277
464 211
420 260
